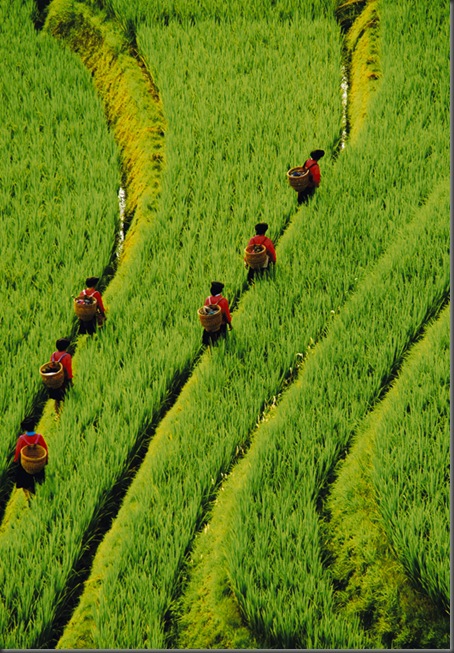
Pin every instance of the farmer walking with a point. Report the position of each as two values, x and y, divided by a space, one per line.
89 325
216 299
61 355
311 164
255 244
32 440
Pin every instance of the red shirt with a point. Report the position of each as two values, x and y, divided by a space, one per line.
314 171
30 437
223 305
91 292
263 240
65 359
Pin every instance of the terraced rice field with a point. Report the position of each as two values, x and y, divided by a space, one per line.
289 486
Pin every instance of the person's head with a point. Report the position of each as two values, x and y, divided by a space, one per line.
216 287
261 228
62 344
91 281
28 424
317 154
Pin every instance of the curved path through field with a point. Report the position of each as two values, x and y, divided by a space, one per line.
126 403
124 392
167 452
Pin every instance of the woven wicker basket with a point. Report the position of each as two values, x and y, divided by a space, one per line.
298 178
256 256
52 378
33 458
85 311
210 317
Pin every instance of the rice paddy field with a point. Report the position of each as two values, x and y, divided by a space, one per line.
288 487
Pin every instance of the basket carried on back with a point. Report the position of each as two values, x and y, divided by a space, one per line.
256 256
33 458
85 307
210 317
52 374
298 178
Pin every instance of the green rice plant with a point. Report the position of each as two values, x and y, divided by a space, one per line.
132 105
119 389
411 466
126 374
167 469
372 582
362 47
58 223
131 15
273 551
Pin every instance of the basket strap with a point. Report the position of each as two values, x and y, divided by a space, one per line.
60 359
33 444
210 303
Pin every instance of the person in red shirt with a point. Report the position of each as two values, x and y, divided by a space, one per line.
24 479
260 239
89 326
64 357
311 164
209 337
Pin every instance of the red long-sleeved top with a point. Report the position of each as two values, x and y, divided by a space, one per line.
91 292
66 360
264 240
30 437
223 305
314 171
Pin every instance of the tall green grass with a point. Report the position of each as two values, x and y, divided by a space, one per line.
152 336
411 466
371 576
132 106
273 547
362 46
187 459
126 374
131 15
320 262
58 205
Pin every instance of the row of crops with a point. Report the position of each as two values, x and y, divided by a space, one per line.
214 188
415 486
272 552
119 390
391 496
58 206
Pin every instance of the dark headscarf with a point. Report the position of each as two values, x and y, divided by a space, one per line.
91 281
260 228
62 344
28 424
317 154
216 287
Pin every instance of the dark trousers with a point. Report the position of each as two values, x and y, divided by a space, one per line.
87 326
26 480
304 195
210 337
58 393
251 273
